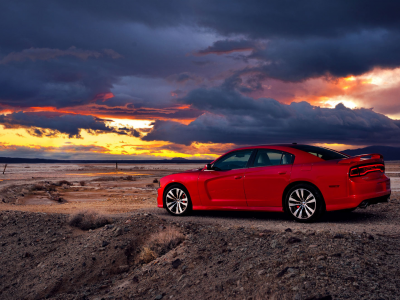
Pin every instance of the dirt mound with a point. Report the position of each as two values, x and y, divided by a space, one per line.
42 256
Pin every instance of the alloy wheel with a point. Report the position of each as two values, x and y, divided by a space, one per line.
176 201
302 204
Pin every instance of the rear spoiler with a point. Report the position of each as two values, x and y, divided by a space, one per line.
358 158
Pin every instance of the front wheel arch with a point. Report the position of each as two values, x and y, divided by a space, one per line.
167 186
181 186
292 184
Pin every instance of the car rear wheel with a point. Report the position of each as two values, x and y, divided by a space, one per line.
177 200
304 203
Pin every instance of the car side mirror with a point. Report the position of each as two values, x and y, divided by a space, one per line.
208 167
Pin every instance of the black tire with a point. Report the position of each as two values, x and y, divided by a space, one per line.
348 210
299 203
176 197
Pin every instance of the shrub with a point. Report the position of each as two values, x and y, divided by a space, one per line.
38 187
61 182
130 178
82 183
88 220
160 243
51 188
147 255
150 185
155 180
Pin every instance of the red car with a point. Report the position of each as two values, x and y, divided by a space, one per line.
303 181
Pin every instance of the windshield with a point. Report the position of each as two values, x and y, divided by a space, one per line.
323 153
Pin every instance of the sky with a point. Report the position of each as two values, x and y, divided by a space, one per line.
160 79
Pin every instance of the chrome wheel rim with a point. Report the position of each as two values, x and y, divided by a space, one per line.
176 201
302 204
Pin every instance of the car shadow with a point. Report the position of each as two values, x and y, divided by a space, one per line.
357 216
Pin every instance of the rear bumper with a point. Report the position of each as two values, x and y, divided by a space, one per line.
357 200
376 200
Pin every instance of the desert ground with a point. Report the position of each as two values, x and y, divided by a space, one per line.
92 231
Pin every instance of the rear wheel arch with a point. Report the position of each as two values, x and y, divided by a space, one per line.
292 184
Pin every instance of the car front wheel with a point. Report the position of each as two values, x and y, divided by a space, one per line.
304 203
177 200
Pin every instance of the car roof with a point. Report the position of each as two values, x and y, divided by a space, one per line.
301 156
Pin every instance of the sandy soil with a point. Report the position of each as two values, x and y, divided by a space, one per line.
239 255
98 187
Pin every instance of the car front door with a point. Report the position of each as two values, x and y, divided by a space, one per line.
223 185
267 178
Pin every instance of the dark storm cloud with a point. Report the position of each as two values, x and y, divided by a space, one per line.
66 53
234 118
48 54
305 39
49 124
228 46
351 54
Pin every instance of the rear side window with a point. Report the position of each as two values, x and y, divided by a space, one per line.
267 157
324 153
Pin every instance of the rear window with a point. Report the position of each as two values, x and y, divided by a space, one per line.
325 154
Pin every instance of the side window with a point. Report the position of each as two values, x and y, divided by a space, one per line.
287 159
266 157
234 160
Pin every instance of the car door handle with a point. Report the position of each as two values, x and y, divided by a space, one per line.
237 177
282 173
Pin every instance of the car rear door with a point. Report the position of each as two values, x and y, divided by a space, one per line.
223 186
267 177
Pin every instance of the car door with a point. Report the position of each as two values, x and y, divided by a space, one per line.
223 185
267 177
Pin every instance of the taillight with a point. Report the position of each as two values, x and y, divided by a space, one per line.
362 170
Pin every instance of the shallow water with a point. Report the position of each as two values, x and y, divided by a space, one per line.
108 173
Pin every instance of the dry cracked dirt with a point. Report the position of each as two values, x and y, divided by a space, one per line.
90 232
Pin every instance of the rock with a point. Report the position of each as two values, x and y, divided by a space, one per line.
297 297
288 230
281 273
5 218
219 288
371 237
104 244
293 240
313 246
261 272
123 268
338 236
159 297
321 257
118 231
176 263
273 244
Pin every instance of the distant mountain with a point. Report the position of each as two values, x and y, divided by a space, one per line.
389 153
16 160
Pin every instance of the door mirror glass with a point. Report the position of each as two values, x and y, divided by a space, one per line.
208 167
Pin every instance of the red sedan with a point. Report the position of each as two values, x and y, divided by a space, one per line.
303 181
